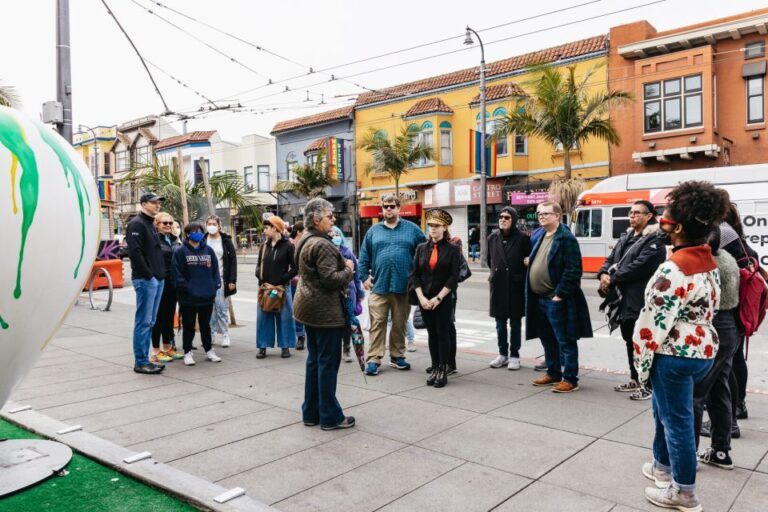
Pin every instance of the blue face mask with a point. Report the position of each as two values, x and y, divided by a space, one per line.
196 237
337 240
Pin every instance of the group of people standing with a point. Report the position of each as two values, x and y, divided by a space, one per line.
198 271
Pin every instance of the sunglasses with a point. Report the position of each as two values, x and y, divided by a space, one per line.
389 206
667 222
634 213
165 223
505 217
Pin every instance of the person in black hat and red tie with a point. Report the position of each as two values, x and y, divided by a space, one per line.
147 276
434 277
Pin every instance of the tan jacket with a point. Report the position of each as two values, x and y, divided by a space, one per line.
323 280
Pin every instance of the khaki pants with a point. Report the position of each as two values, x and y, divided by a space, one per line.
379 307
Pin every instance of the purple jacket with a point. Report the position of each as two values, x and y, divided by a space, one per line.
356 292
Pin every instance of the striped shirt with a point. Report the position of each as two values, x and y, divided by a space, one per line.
387 255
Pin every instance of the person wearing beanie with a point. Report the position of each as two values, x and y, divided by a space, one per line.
276 267
507 249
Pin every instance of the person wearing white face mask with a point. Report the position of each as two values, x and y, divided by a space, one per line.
222 245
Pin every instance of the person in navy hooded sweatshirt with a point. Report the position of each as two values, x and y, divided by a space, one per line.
195 270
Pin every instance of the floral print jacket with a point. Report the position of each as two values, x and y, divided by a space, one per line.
680 301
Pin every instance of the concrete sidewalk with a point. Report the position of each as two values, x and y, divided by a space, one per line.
487 441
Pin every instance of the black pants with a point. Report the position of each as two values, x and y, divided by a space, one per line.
627 328
739 375
713 388
439 322
165 313
452 355
203 316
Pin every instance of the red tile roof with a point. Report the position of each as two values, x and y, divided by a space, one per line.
500 92
317 145
323 117
564 51
180 140
428 106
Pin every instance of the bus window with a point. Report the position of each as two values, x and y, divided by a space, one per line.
596 226
620 221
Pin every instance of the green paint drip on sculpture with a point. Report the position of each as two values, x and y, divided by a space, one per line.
12 137
3 323
80 188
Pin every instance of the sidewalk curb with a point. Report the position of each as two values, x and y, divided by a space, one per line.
191 489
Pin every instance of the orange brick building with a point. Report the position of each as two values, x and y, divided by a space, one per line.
699 94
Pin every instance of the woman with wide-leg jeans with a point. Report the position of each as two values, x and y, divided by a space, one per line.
674 339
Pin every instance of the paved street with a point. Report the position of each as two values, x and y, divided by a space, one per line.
488 441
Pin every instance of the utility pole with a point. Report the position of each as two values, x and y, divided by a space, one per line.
204 171
483 121
63 69
182 186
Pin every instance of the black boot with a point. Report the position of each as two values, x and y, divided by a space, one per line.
300 343
430 369
433 376
741 411
442 376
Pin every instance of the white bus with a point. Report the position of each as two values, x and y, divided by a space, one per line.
602 212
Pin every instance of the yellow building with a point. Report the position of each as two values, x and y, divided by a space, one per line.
446 108
94 146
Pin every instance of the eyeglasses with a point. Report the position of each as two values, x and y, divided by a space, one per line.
505 217
165 223
667 222
389 206
544 214
330 216
634 213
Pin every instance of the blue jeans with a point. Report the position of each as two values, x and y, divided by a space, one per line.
509 348
674 444
561 353
276 325
148 295
220 317
299 326
474 251
323 360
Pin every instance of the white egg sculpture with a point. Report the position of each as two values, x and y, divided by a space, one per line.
49 225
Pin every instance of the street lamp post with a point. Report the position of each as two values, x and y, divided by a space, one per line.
483 188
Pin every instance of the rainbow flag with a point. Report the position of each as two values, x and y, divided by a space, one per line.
105 189
335 154
475 143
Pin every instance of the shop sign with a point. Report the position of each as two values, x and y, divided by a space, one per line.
521 198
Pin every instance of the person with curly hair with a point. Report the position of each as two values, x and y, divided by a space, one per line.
674 340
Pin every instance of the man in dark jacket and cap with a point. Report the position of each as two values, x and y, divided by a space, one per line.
507 250
633 261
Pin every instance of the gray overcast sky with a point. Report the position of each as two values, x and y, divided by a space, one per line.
110 86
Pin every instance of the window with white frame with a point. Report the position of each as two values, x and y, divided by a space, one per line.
121 160
755 99
754 50
502 143
672 104
290 166
446 144
263 172
143 156
248 177
312 158
521 144
426 138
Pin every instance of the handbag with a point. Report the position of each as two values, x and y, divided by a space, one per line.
418 320
464 272
270 297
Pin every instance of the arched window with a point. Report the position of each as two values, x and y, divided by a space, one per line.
426 137
380 134
290 165
502 145
446 144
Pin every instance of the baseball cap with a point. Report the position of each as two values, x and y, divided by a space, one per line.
150 197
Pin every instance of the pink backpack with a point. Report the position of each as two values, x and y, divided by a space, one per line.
753 299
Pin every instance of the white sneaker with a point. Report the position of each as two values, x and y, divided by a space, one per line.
188 359
225 341
411 346
347 356
216 339
212 357
514 363
499 361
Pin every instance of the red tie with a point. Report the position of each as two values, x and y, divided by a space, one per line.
433 258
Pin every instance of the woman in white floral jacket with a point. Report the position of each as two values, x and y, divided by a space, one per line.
674 340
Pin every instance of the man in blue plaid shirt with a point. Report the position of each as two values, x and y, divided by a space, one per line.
386 258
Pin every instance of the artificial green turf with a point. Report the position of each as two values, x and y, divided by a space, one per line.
89 487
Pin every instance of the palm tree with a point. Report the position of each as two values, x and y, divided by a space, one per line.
9 96
311 179
565 113
227 189
395 157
